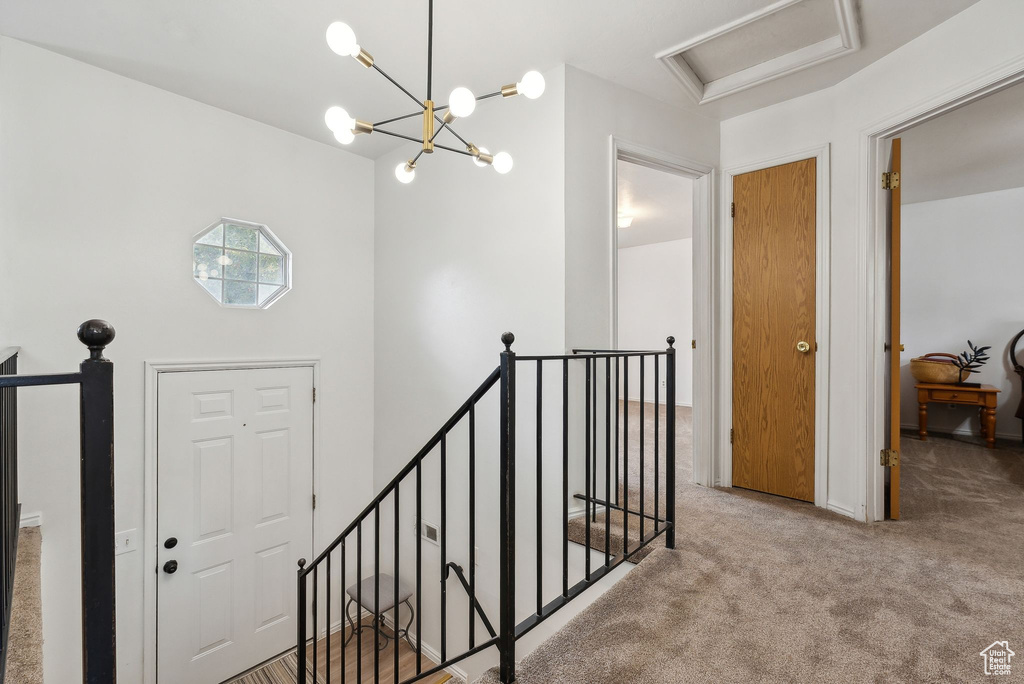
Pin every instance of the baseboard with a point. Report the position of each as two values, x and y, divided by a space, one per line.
31 519
959 432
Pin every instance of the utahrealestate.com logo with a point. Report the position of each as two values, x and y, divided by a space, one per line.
997 658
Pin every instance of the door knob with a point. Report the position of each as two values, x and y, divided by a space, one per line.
171 567
803 347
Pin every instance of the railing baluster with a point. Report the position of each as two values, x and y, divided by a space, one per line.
643 432
607 459
593 440
398 574
316 622
540 489
472 525
586 476
359 602
670 445
657 435
625 456
376 592
419 567
344 640
444 548
327 621
618 410
565 478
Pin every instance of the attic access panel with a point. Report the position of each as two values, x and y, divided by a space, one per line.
786 37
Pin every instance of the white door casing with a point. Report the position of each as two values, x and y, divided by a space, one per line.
235 481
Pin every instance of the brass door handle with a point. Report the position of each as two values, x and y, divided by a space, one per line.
803 347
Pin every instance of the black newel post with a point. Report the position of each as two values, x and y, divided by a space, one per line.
99 650
507 522
300 625
670 443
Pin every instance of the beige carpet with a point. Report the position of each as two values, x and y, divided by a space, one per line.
25 645
282 670
765 589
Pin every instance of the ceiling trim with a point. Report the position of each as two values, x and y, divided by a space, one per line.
845 42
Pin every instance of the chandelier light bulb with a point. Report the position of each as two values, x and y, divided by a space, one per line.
532 85
503 162
461 102
476 160
404 172
344 136
342 39
337 119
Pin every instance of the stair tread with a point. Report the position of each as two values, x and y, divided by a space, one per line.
25 642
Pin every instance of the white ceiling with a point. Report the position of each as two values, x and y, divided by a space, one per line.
268 60
660 203
977 148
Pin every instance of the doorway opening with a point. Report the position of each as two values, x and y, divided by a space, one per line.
955 236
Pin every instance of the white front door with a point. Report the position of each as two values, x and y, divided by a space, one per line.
234 515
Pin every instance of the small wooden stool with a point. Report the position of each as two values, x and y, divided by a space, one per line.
984 397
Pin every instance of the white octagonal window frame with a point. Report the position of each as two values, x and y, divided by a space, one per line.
241 264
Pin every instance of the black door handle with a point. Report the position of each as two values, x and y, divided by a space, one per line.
171 567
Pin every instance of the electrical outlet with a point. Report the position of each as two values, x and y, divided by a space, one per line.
663 384
125 541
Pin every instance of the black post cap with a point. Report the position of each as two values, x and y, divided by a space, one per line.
671 340
507 339
302 563
96 334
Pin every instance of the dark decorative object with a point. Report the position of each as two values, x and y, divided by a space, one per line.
970 362
1019 370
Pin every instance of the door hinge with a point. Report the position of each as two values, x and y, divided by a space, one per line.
314 502
890 180
314 395
693 344
890 458
732 210
730 435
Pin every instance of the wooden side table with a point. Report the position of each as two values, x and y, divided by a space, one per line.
984 397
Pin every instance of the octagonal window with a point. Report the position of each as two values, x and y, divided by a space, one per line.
241 264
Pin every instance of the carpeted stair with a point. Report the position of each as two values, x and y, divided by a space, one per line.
25 643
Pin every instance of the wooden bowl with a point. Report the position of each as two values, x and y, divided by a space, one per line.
935 369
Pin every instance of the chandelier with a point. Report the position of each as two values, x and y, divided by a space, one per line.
461 103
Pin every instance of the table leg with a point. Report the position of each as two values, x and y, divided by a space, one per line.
990 428
922 421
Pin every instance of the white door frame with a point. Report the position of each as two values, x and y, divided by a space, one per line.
703 176
873 140
150 541
823 232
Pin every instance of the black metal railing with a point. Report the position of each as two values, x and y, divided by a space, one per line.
96 383
598 415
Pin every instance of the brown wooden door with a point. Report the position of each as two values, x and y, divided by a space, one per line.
895 347
773 320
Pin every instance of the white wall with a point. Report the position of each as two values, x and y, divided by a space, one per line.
954 290
596 110
655 290
103 182
966 48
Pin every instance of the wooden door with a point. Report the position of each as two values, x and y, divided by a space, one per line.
895 346
235 466
774 234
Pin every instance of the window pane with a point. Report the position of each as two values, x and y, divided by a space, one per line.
241 237
204 258
239 293
213 285
266 247
240 265
267 291
214 237
270 269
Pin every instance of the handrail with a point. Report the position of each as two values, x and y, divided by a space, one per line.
623 352
427 448
591 355
460 573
